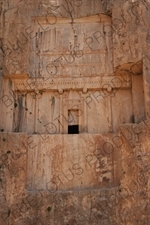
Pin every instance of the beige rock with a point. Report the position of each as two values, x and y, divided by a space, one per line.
74 125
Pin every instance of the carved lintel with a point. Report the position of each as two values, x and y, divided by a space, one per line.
88 83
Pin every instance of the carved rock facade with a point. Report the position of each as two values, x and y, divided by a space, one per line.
74 89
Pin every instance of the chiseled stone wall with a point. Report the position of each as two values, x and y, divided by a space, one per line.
108 186
74 62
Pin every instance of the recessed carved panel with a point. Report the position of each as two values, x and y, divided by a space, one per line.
72 162
78 48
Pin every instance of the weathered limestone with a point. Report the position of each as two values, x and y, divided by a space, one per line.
74 104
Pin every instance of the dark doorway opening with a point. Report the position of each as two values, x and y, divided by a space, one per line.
73 129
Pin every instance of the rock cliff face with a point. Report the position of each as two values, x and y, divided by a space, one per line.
75 112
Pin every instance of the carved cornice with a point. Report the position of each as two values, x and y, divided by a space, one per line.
60 84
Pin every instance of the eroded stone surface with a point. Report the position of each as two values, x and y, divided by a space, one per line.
75 97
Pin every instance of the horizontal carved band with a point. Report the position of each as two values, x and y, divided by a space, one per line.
72 83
